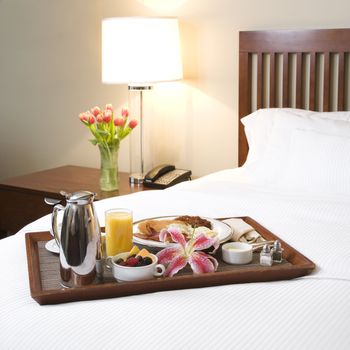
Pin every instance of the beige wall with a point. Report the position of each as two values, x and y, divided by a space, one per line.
50 71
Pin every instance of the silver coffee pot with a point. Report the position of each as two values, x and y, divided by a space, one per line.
78 239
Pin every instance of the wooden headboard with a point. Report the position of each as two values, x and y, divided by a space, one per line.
306 69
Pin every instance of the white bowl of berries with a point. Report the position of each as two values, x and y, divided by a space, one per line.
135 266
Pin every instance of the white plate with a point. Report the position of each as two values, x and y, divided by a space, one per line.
52 247
223 230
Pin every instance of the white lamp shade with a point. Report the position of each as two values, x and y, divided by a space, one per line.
138 50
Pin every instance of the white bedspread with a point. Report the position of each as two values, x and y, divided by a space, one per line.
312 312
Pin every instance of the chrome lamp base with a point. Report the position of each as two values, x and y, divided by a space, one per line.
136 178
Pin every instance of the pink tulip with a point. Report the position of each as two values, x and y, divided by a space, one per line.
104 131
91 119
87 117
83 117
107 115
95 111
133 123
119 122
99 118
125 113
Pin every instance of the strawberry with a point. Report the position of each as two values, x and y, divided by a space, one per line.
132 261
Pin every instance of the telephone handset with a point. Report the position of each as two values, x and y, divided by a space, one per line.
165 175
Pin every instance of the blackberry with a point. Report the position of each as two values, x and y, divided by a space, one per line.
147 261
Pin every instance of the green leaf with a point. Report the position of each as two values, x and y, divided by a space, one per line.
102 132
93 141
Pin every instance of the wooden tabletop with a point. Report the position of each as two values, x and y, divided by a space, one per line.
70 179
22 197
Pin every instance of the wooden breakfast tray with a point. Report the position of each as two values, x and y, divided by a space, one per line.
45 288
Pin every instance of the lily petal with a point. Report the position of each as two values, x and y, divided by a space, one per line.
202 241
213 260
163 234
166 255
176 265
202 263
216 245
177 236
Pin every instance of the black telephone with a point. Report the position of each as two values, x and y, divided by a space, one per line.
165 175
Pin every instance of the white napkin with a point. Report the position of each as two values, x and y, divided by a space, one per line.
243 232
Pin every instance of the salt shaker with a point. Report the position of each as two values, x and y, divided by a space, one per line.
277 252
265 256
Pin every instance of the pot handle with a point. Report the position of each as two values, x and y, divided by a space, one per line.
54 222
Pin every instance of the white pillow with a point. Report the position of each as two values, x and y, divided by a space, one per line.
318 163
345 116
269 168
258 126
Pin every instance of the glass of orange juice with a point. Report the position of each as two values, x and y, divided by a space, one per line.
118 231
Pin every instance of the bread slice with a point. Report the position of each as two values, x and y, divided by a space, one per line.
150 228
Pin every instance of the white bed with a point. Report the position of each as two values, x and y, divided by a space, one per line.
307 313
311 312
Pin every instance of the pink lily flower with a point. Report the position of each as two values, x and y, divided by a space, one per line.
108 107
177 257
133 123
125 113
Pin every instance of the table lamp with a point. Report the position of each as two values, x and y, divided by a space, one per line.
140 51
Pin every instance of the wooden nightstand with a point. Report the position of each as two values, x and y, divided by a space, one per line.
22 197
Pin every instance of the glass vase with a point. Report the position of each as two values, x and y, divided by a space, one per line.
109 180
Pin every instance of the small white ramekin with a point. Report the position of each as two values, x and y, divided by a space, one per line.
237 253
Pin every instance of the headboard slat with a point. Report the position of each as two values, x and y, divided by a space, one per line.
272 80
341 81
259 79
245 92
312 84
299 81
326 82
285 80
